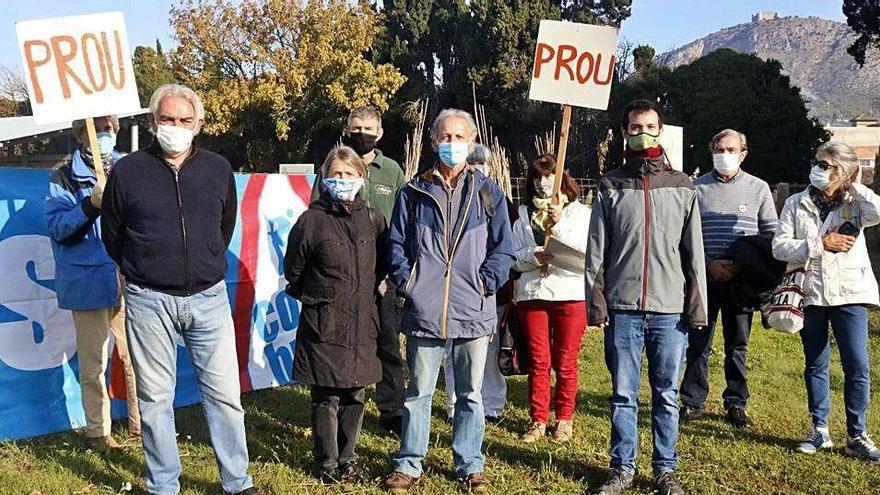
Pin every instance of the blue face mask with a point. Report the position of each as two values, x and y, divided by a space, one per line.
342 190
452 154
106 143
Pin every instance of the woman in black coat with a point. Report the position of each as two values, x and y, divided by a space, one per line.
332 266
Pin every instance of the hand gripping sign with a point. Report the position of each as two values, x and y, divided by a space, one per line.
78 67
574 65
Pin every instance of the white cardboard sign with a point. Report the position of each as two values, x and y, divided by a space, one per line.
574 64
77 67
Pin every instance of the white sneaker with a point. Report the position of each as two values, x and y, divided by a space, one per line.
818 438
862 446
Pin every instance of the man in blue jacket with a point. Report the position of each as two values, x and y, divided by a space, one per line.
86 278
451 250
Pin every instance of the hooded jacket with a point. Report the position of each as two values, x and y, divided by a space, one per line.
331 268
449 269
645 247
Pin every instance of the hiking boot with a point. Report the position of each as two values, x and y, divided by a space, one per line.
493 420
818 438
474 483
863 447
246 491
104 444
738 417
392 424
667 484
617 482
398 482
326 476
688 413
563 431
535 432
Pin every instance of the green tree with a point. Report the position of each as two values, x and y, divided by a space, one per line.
643 58
726 89
863 16
279 77
443 46
151 70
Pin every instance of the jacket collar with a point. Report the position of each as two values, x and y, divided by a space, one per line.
157 151
323 203
647 166
81 168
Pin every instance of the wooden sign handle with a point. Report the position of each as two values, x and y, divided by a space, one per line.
96 152
560 167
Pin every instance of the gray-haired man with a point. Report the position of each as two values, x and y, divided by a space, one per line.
168 215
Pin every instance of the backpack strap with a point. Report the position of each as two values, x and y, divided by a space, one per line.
487 199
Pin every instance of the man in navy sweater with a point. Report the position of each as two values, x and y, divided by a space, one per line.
168 214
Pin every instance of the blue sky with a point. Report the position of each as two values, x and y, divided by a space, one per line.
663 24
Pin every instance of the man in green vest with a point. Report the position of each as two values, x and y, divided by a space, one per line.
384 177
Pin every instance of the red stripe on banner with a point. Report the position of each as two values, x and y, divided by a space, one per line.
247 270
301 188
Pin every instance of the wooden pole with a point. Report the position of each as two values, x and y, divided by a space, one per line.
560 167
96 152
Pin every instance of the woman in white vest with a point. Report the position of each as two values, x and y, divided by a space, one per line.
549 299
821 230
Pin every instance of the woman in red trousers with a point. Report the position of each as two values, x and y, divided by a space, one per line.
550 300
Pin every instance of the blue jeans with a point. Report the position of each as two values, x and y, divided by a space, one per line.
663 337
850 326
468 425
153 321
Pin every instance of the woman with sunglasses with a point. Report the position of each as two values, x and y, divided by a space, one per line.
820 229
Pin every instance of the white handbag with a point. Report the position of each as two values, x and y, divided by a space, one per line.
785 310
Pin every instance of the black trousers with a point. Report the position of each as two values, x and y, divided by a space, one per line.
337 416
391 390
736 325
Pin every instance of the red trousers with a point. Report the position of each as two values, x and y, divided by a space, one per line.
553 332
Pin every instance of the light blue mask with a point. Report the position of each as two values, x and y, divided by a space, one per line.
452 154
106 143
342 190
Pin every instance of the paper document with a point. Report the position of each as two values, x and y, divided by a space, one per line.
565 256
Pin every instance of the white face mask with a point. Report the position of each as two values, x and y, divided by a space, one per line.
725 163
174 140
820 179
544 185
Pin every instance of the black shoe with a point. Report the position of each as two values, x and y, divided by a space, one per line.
326 476
738 417
349 473
392 424
246 491
667 484
688 413
493 420
618 480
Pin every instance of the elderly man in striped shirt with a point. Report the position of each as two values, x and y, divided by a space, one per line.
733 203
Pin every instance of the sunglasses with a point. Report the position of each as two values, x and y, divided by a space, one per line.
825 165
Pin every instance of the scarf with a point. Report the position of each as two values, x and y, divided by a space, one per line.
541 215
825 206
647 153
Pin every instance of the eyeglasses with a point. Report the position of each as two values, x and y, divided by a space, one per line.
825 165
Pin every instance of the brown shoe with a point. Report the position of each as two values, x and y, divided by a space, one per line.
535 432
475 483
103 444
563 431
398 482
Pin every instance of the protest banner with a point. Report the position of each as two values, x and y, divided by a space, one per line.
574 66
39 363
78 67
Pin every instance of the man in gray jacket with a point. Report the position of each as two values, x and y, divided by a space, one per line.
646 285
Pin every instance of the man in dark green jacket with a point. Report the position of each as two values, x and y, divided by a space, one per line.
384 177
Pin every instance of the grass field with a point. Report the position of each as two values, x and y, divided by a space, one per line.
715 459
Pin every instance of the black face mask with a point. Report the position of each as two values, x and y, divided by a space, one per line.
360 142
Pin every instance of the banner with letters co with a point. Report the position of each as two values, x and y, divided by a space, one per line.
39 390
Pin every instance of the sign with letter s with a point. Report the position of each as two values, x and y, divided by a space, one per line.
77 67
574 64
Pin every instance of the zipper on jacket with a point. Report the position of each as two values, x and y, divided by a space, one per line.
645 189
183 230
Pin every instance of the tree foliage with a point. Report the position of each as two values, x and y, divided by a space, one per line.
444 46
151 70
863 16
726 89
278 76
